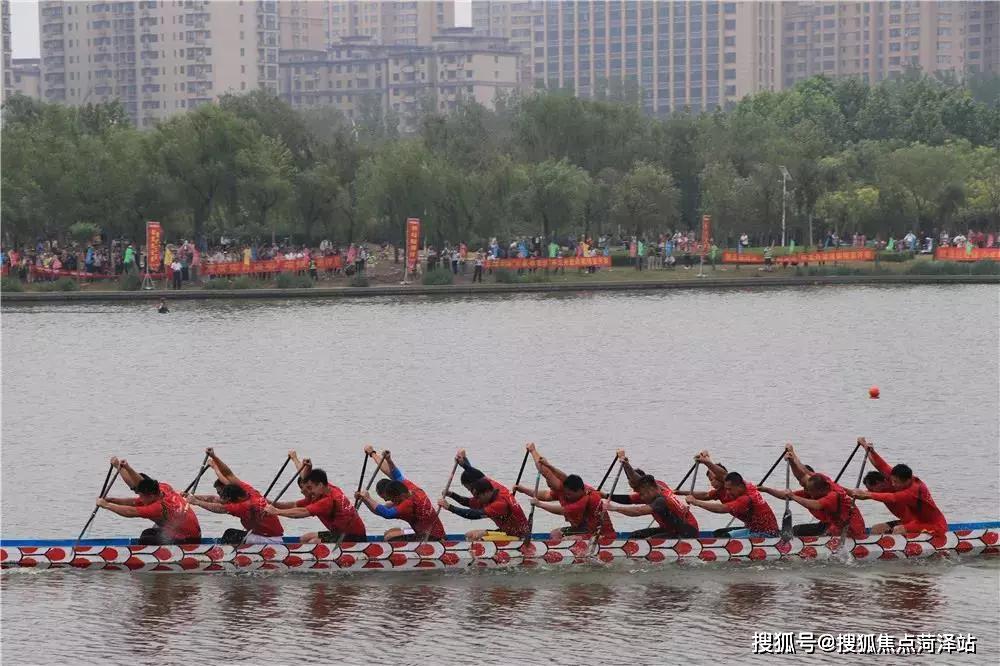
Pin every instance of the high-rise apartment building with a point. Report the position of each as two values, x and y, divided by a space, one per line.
157 56
695 55
874 40
26 77
5 64
703 54
317 24
358 71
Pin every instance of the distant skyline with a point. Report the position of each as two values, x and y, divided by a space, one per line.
24 25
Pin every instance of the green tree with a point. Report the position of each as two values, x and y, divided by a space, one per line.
645 200
553 198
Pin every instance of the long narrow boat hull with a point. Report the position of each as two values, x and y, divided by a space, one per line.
967 539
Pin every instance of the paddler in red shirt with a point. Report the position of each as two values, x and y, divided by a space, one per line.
674 519
175 520
906 496
739 499
489 499
238 498
583 508
328 503
404 500
826 500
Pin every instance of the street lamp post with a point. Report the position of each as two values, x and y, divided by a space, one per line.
785 177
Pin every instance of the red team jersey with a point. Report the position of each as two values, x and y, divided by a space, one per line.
586 512
420 513
507 514
336 512
172 513
837 511
252 515
913 505
674 506
751 508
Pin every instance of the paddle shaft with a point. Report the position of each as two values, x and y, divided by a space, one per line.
193 486
520 472
849 459
371 480
531 514
595 541
689 473
786 518
773 467
277 476
607 474
105 489
357 503
444 493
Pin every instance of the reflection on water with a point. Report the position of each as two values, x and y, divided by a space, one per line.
663 374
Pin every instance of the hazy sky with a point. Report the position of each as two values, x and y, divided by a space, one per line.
24 24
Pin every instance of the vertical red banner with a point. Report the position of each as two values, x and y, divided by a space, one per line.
154 239
412 242
706 233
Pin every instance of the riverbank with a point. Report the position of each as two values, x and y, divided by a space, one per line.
746 279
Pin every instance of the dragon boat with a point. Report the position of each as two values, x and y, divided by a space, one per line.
455 552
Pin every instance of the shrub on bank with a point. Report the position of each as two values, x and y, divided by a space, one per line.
293 281
359 280
505 276
218 283
896 257
438 276
62 284
245 282
985 268
130 282
832 270
11 284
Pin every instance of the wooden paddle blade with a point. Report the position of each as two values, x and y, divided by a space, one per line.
786 525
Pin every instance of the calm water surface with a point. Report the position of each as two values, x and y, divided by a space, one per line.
738 372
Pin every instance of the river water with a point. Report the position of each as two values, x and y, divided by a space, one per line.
663 374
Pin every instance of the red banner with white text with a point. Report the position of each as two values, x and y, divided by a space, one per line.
733 257
412 242
154 241
556 262
961 254
272 266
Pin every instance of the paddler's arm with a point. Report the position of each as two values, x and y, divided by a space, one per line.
376 508
220 468
706 460
382 461
877 460
530 492
630 474
807 502
798 469
714 507
471 514
698 494
123 510
551 507
294 512
633 510
287 504
546 470
621 499
464 501
214 507
129 475
776 492
463 460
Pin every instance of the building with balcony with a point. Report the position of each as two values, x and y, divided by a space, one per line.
26 77
358 72
157 57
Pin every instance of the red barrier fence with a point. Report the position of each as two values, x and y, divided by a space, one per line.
52 273
556 262
867 254
960 254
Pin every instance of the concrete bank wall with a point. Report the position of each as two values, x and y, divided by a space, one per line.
481 289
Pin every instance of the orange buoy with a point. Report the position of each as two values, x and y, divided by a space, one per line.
873 393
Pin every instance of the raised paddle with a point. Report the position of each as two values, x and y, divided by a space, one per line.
595 542
608 473
531 514
689 473
193 486
105 488
520 472
786 519
732 520
849 459
371 480
444 493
